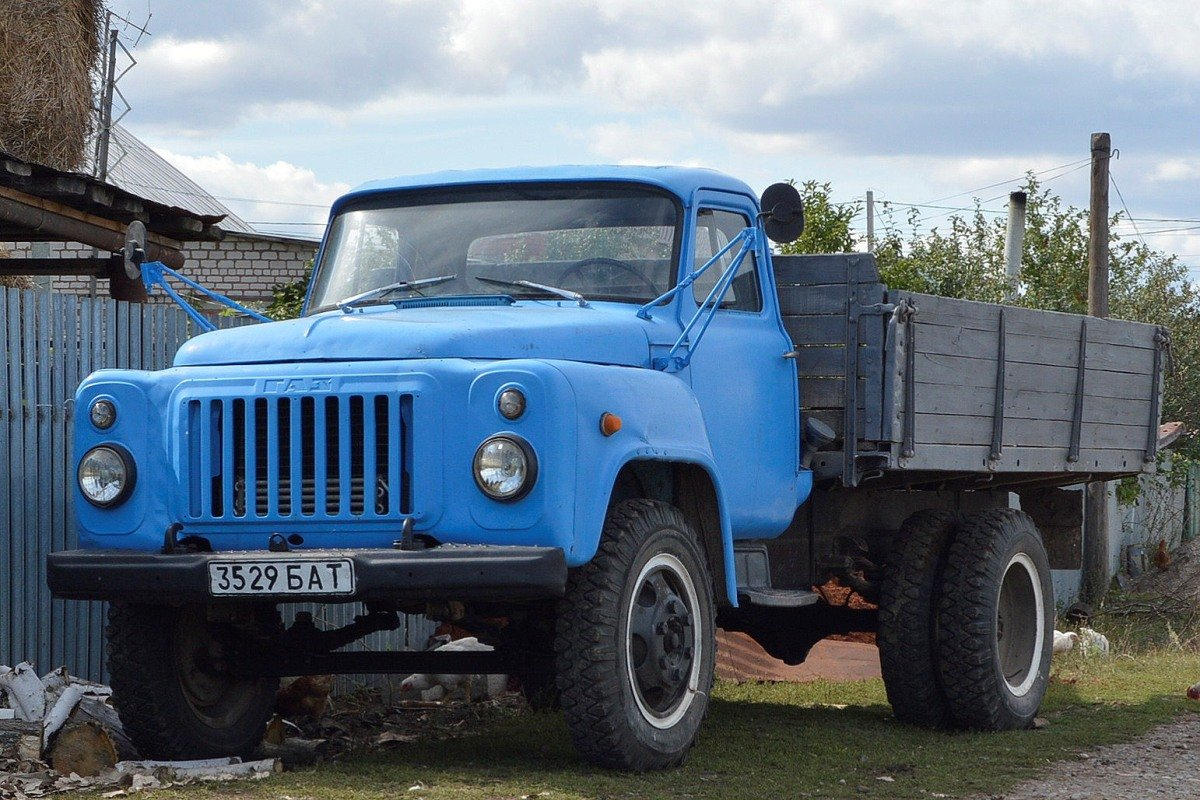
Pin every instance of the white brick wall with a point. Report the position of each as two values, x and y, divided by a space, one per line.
243 267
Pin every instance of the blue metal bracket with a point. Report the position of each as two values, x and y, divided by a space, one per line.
154 273
680 354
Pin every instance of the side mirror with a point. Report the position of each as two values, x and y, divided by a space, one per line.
783 213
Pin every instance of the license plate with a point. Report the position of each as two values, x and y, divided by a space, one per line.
281 576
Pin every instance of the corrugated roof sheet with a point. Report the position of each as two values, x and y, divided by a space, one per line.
133 166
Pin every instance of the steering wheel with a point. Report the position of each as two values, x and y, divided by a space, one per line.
611 265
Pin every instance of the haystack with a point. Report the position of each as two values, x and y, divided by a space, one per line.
49 54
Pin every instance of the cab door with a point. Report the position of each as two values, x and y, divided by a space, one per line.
745 386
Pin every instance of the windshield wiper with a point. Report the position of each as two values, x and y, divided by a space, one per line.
564 293
381 291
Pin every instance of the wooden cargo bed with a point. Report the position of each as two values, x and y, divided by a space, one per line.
958 394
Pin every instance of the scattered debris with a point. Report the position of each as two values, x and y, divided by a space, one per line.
59 733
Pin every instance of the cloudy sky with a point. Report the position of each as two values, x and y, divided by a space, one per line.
277 106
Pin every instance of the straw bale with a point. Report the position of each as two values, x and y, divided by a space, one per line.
49 56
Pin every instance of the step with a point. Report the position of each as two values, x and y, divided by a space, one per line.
777 598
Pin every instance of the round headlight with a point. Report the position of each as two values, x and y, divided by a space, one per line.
505 468
103 414
511 403
105 476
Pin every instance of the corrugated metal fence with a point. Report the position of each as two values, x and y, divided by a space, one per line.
52 342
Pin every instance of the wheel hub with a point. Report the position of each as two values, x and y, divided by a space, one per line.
662 641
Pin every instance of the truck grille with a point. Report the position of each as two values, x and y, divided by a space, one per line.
319 457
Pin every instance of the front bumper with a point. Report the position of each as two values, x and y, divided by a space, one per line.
447 572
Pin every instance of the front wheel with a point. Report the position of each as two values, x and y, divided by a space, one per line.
995 622
635 641
176 686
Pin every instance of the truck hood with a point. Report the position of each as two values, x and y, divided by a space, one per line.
598 334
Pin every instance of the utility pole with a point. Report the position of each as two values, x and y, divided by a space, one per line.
870 221
1095 510
1014 240
106 104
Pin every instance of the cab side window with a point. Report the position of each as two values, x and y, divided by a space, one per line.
714 230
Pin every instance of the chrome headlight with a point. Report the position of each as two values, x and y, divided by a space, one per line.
505 468
106 475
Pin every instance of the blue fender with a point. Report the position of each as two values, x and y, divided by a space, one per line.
661 421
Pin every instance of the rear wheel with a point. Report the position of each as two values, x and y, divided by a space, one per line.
175 681
995 622
907 618
635 641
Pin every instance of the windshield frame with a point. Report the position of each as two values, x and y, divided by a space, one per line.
484 192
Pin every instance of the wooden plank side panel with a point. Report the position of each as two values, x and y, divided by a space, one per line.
974 315
964 430
1029 404
974 458
1029 348
807 270
800 301
955 371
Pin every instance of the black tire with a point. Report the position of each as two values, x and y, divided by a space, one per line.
995 622
647 591
173 689
907 617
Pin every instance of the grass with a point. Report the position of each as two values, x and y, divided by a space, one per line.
768 740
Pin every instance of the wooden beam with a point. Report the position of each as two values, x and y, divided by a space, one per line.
40 215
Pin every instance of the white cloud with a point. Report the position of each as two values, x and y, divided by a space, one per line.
1176 169
265 194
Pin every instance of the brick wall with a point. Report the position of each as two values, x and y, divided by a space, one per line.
244 267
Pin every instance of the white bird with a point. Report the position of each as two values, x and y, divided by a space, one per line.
1091 641
442 685
1063 642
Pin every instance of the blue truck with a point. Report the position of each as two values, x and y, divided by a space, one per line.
588 415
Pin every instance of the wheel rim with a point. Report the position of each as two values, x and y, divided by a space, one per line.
216 695
1019 624
662 645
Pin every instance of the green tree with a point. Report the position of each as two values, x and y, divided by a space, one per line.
288 298
826 224
965 258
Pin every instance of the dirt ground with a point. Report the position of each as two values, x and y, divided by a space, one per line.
1165 763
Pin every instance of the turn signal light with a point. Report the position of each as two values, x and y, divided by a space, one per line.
609 423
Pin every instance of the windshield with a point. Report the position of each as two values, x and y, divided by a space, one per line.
607 242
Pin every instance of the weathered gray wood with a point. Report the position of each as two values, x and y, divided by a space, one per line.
948 311
825 392
831 329
824 299
1028 348
1027 404
953 371
823 361
43 345
974 458
5 479
958 429
806 270
26 526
